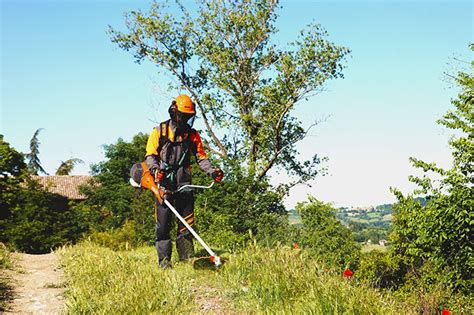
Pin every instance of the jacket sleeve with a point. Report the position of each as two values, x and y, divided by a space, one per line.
201 156
152 158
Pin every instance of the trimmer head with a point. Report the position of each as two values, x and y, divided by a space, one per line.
208 262
216 260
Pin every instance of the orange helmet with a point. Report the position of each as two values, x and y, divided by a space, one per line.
185 105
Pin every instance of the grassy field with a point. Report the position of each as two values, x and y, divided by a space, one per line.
101 281
370 247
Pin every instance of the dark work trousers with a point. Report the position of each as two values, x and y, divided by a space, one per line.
184 203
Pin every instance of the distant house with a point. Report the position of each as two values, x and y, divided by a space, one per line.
64 185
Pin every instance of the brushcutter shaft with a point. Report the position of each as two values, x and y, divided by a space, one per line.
190 229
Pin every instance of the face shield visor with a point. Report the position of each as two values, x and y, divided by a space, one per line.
183 119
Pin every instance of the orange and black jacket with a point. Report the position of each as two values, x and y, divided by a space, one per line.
171 153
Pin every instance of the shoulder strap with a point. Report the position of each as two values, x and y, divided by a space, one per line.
192 135
163 134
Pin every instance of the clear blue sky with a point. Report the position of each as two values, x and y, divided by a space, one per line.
60 72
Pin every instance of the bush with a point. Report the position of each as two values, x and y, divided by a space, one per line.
237 206
5 282
42 221
423 288
325 236
216 229
275 229
123 238
379 269
437 236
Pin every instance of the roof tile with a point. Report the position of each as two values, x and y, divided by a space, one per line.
64 185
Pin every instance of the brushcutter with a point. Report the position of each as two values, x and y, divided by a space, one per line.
141 177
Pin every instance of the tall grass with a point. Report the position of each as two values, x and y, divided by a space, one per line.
5 281
254 280
101 281
286 280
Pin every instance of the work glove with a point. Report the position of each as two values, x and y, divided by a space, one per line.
217 175
159 175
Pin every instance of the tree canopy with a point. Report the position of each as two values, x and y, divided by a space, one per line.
34 163
245 86
66 167
12 173
31 218
439 234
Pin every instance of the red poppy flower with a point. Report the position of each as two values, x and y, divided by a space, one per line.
445 312
295 246
347 273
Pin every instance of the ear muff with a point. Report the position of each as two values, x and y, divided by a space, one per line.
172 109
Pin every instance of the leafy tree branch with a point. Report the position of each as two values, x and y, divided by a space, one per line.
224 57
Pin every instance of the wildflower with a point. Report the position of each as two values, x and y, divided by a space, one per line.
295 246
347 273
445 312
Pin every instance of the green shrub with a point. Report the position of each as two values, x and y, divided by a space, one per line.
435 239
5 282
216 228
123 238
5 259
379 269
42 221
325 236
275 229
423 288
237 206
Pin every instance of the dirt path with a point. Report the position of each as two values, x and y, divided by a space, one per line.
209 300
209 295
38 285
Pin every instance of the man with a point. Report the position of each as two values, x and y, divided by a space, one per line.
168 156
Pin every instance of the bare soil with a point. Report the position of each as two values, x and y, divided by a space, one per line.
209 300
38 285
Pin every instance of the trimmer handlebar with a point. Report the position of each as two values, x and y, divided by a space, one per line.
185 187
189 187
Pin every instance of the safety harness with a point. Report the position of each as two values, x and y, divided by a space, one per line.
170 169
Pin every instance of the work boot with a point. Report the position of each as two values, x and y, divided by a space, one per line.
165 263
184 245
164 251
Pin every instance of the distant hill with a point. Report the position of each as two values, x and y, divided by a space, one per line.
371 223
368 224
345 214
294 217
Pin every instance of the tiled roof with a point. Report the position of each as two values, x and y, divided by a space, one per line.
64 185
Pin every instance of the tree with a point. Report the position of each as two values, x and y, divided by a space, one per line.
32 219
66 167
12 174
439 234
111 201
245 87
324 235
34 164
41 221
